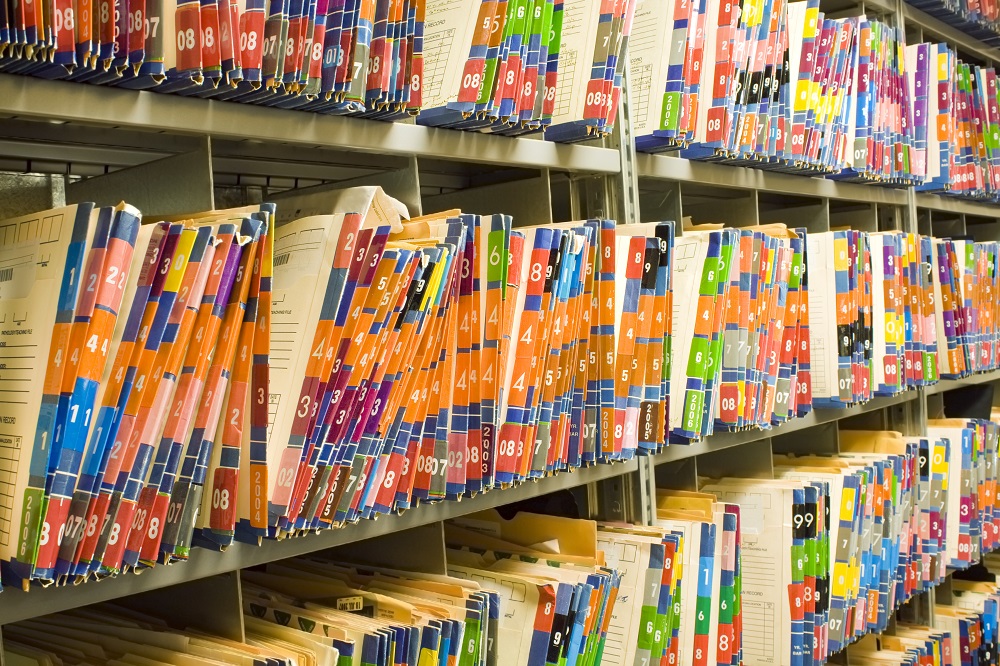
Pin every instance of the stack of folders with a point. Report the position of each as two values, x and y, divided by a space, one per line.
531 590
773 85
417 360
127 375
482 65
118 636
972 525
780 86
707 617
970 615
383 617
963 121
965 283
516 67
916 645
565 599
740 350
401 362
324 56
833 545
694 545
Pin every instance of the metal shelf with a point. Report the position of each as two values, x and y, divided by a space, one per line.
17 605
946 204
728 440
937 28
60 103
667 167
973 380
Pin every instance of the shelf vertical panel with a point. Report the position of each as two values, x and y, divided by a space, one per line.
623 498
814 216
400 184
860 216
527 201
626 181
678 475
661 201
752 461
821 440
419 549
213 605
174 185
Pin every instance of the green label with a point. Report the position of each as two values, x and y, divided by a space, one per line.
497 257
727 594
703 617
710 277
31 520
693 410
671 114
647 628
698 361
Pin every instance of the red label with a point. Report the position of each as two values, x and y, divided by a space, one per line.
549 104
729 398
223 515
63 22
724 655
508 78
472 80
408 472
128 518
528 89
211 36
107 13
701 650
795 605
150 550
137 537
96 516
252 39
51 536
594 103
427 465
891 370
509 448
716 124
316 51
474 455
135 24
416 82
805 388
188 38
293 45
389 481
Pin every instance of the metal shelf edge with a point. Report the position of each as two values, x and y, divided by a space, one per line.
946 204
727 440
67 102
973 380
668 167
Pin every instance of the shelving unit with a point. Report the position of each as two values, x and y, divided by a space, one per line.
66 142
